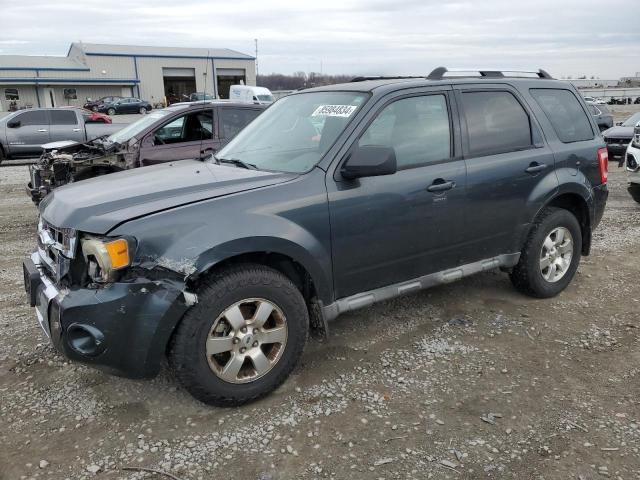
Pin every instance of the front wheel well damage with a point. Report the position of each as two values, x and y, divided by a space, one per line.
284 264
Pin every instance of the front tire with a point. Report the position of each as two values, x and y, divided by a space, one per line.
143 111
550 256
243 337
111 112
634 191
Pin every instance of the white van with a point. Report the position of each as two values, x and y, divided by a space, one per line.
247 94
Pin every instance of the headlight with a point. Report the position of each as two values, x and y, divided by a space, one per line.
105 256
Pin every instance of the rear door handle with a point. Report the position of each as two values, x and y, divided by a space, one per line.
535 167
76 129
43 130
439 185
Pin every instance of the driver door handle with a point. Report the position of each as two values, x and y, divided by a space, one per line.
535 167
43 130
440 185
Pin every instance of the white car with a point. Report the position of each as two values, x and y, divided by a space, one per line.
632 161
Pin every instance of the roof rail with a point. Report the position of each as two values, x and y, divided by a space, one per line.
364 79
439 73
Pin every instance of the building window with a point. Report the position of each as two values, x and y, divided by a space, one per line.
70 94
11 94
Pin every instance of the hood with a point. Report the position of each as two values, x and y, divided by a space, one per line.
618 132
99 204
59 145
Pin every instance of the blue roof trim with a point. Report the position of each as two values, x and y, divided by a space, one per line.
46 69
138 55
41 80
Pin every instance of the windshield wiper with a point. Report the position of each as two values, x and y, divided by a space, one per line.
236 162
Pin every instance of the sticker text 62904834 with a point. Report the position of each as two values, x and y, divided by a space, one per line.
334 111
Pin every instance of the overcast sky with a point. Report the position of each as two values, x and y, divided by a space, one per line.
565 37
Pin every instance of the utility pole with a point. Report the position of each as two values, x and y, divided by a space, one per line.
256 41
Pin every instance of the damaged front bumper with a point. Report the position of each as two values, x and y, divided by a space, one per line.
123 327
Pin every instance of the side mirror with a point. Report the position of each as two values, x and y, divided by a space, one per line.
14 124
370 161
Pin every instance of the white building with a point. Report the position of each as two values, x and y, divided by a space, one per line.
96 70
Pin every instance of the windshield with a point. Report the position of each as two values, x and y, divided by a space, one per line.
632 120
295 132
130 131
265 98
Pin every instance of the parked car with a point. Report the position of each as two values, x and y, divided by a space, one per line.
125 105
633 164
92 117
23 133
617 138
226 265
94 104
173 133
248 94
200 96
602 115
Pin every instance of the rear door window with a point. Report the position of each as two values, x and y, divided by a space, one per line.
232 120
63 117
496 123
565 113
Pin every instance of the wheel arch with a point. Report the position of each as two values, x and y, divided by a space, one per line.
576 202
292 260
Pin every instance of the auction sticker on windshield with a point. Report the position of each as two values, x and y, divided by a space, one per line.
334 111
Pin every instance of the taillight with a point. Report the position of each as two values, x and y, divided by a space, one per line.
603 163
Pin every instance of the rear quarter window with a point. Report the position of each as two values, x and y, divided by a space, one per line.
568 118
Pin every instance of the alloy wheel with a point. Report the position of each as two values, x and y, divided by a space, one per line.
247 340
556 254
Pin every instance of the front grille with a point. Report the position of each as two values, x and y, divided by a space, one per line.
616 141
56 247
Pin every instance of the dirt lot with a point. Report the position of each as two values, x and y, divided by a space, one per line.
465 381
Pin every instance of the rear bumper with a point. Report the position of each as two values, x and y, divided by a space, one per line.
122 328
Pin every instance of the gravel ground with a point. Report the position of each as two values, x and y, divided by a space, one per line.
465 381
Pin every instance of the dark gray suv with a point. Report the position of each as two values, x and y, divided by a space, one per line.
333 199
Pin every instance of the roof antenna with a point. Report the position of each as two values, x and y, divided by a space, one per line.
204 102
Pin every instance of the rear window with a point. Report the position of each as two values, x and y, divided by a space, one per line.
63 117
235 119
565 113
496 123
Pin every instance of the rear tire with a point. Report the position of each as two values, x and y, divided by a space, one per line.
550 256
634 191
215 324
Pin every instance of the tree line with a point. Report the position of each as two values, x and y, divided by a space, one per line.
298 80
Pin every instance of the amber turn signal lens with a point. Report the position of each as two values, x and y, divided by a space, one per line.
118 251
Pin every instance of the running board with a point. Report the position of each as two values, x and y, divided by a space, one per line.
360 300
